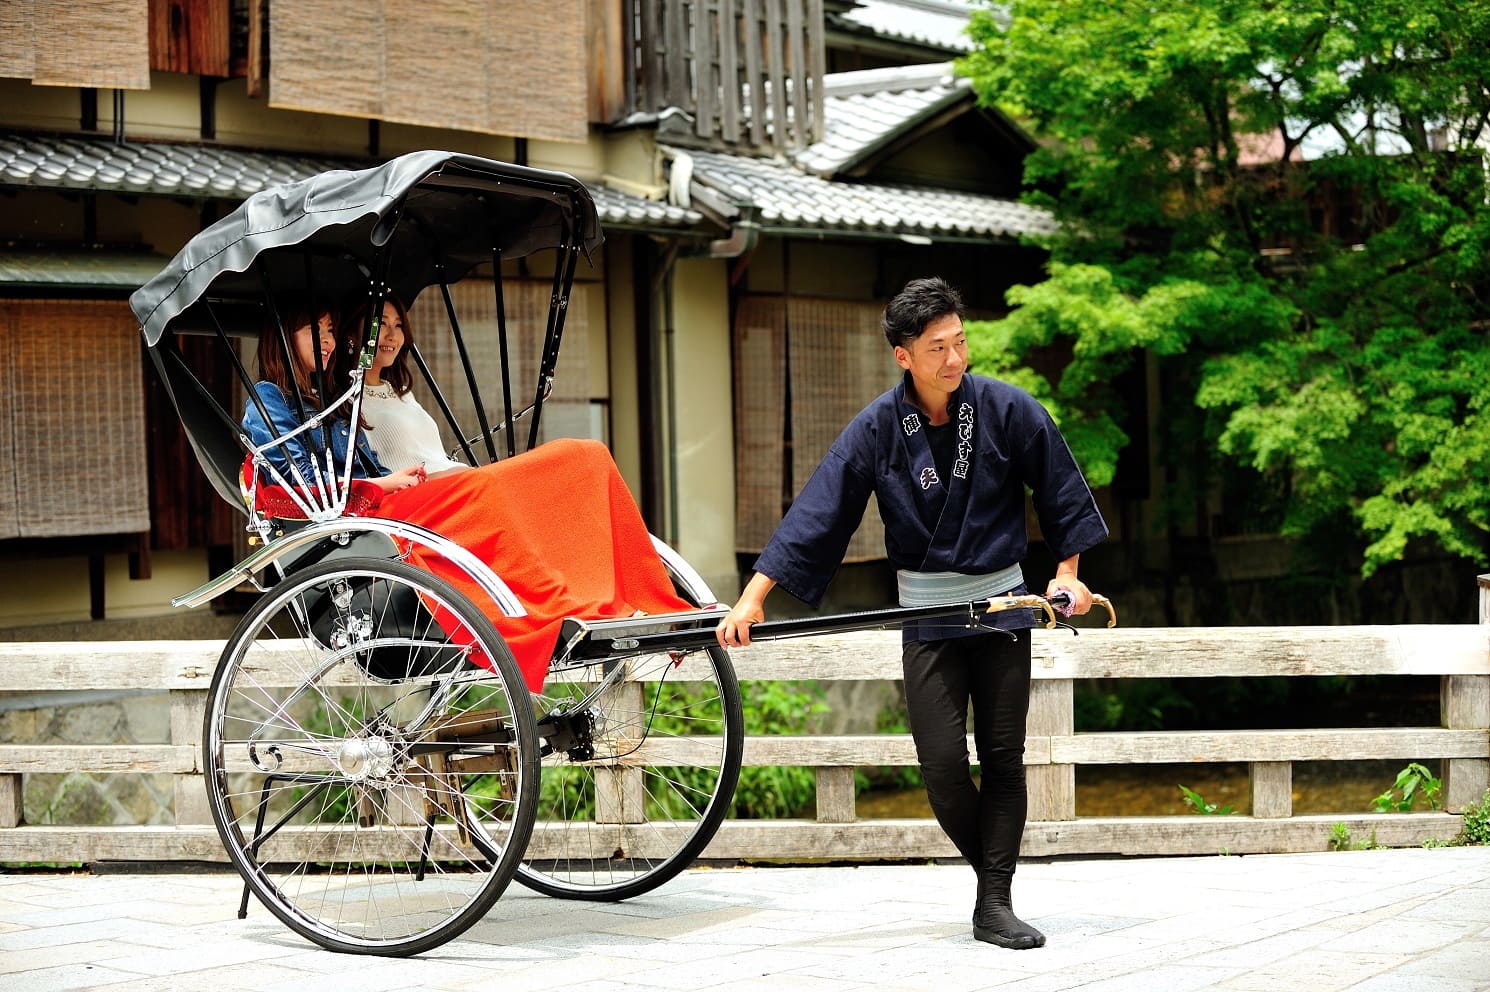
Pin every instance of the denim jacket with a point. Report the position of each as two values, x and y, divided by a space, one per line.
282 420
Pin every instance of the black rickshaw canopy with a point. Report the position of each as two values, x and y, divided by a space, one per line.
422 218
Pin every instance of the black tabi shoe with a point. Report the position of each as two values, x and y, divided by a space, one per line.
994 921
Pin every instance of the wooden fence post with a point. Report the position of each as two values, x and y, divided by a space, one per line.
1465 702
620 790
1272 789
835 794
188 709
11 807
1052 787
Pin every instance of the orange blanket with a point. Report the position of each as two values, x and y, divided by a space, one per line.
559 526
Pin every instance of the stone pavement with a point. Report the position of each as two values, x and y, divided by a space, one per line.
1366 921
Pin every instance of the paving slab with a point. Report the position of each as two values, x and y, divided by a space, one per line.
1411 920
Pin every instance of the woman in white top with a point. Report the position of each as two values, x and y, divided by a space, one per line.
399 430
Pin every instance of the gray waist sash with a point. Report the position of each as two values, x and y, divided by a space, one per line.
936 588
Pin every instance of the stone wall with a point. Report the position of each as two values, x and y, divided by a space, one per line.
90 718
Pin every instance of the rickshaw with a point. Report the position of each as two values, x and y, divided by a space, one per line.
377 769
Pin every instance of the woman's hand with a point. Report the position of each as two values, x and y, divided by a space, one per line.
404 478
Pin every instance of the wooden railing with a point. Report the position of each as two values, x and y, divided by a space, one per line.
1458 655
749 73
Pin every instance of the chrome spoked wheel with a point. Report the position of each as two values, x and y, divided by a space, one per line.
371 757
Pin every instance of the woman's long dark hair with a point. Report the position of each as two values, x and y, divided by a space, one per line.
397 374
275 366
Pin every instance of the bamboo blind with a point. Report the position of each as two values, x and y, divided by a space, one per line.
101 43
760 394
839 362
17 52
566 412
74 420
491 66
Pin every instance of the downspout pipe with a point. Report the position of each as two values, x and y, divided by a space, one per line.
666 371
738 219
744 233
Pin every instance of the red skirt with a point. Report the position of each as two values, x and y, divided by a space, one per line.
559 526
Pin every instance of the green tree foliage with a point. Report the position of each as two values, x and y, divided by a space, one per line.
1284 205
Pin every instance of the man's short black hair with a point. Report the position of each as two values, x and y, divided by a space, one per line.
918 304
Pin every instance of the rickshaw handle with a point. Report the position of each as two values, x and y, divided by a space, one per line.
771 630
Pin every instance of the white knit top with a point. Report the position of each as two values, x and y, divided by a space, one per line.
400 432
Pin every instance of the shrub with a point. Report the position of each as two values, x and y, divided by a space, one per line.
1477 821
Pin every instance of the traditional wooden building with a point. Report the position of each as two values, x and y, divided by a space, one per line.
758 209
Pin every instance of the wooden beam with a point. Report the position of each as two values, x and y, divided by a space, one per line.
188 707
1153 652
107 759
729 72
1465 703
1409 649
257 71
608 60
862 750
1336 744
191 36
865 840
11 810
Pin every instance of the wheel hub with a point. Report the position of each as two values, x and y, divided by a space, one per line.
364 758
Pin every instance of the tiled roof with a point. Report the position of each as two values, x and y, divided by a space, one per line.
618 209
38 268
934 23
862 110
209 171
791 201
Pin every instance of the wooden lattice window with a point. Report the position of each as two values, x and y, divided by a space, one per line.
72 420
838 362
749 73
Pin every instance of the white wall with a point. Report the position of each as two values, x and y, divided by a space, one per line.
703 422
55 590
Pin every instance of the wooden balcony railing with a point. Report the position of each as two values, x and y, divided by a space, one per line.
747 73
1459 655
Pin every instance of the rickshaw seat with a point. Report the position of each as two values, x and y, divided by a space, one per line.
276 503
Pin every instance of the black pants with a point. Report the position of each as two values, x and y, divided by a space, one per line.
985 821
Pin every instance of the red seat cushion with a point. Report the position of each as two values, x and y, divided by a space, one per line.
276 503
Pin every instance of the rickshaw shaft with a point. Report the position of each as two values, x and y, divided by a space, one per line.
770 630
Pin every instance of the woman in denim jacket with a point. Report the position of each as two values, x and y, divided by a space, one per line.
293 459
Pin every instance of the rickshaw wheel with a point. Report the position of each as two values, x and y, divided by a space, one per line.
373 786
640 761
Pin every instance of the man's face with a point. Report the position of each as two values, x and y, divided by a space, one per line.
936 359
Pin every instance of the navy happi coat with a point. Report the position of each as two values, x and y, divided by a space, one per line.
972 522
